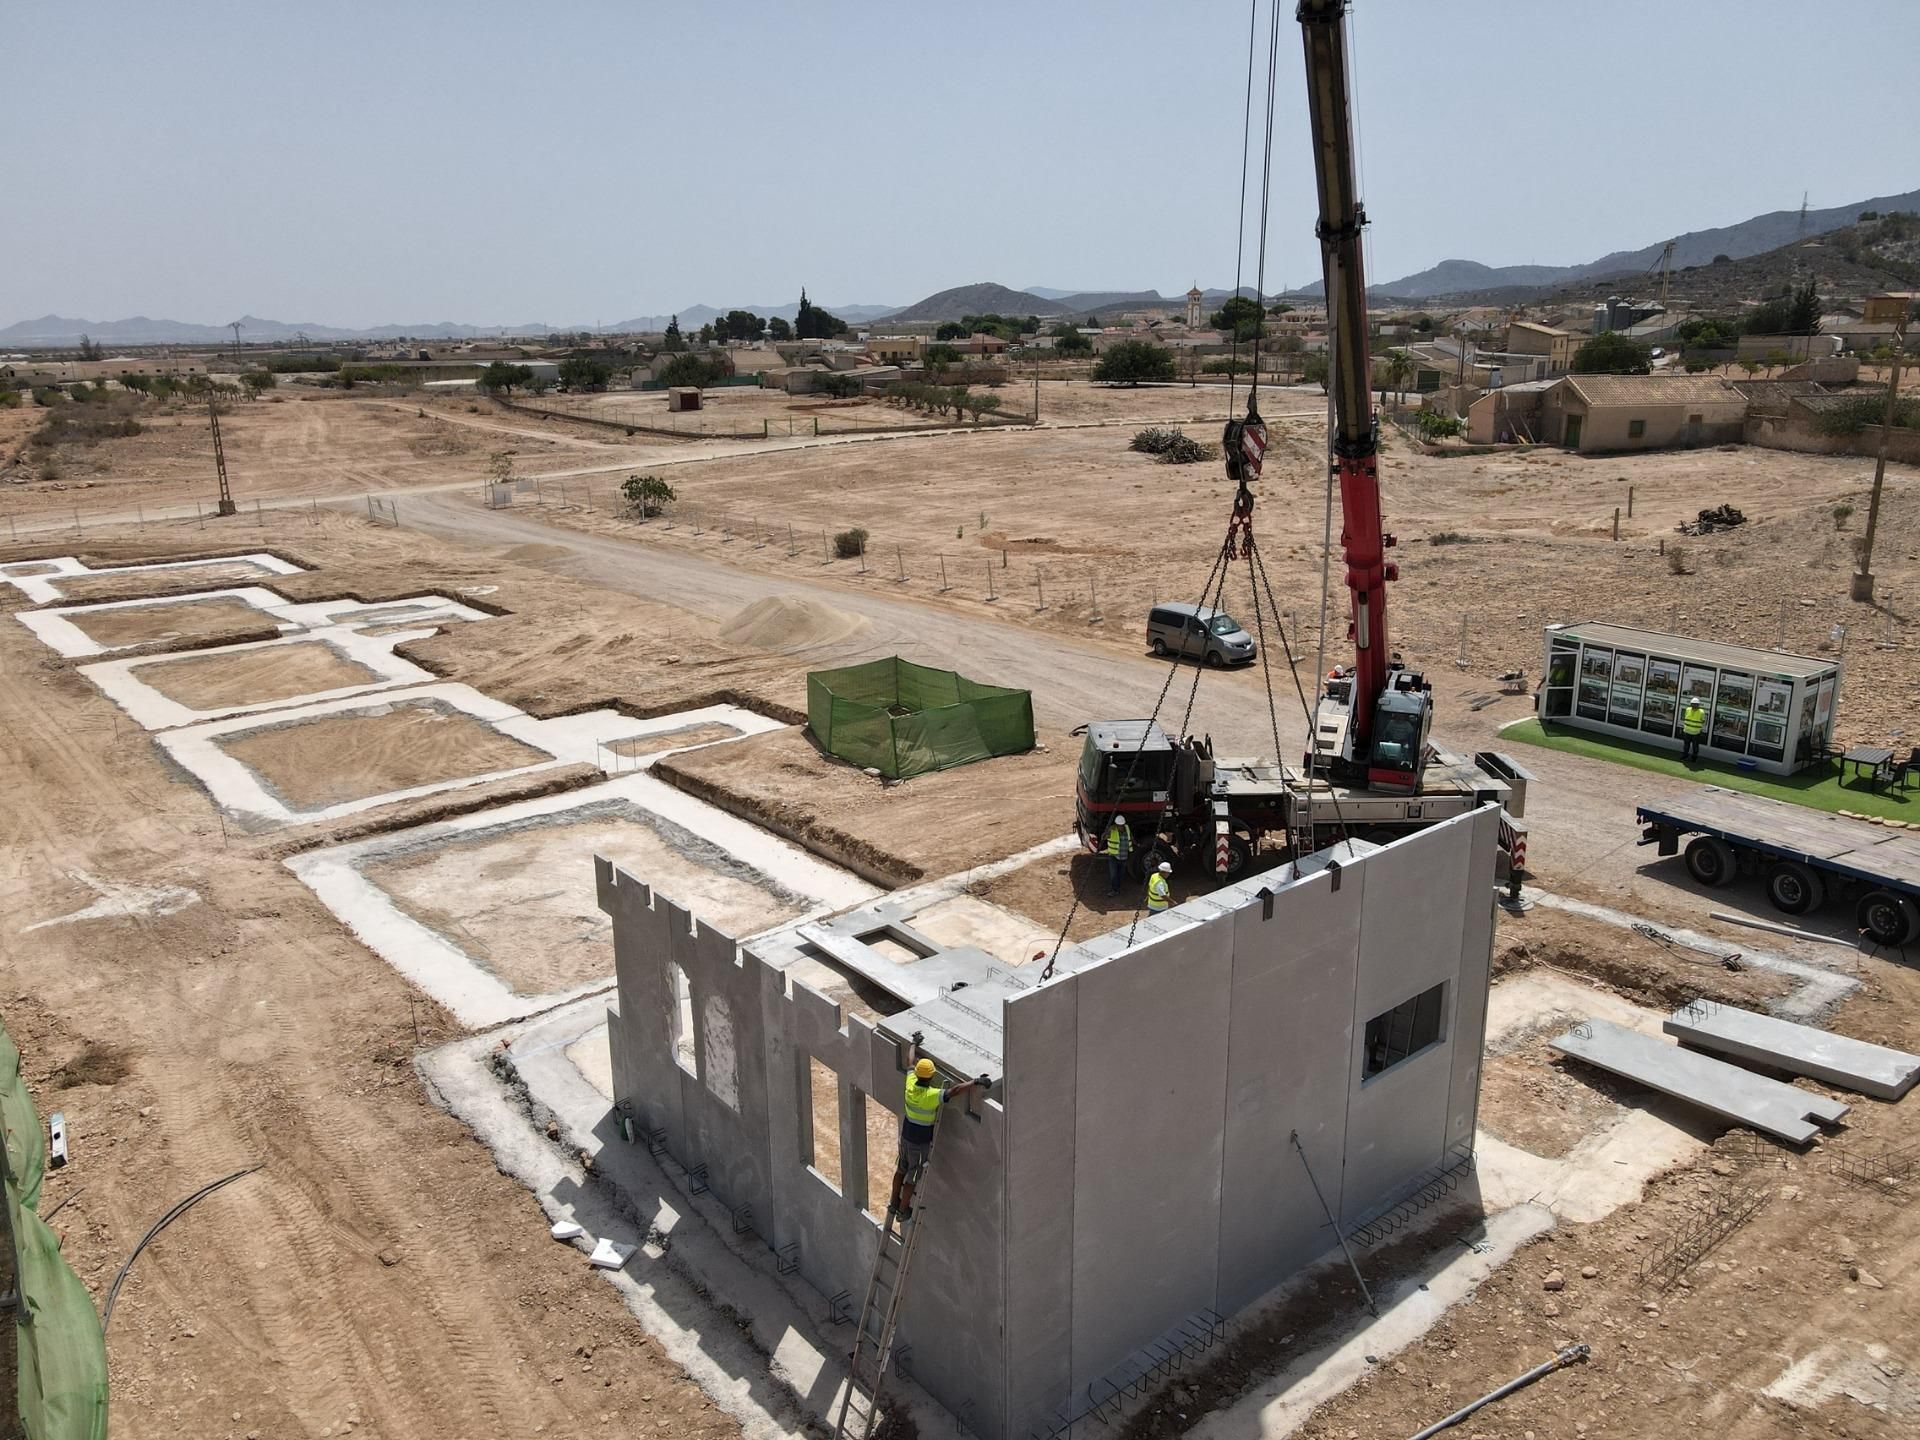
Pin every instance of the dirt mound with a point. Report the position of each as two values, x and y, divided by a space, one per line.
788 624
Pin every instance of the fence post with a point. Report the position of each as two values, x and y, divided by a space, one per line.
943 575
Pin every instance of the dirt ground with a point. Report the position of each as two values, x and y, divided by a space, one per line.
380 1275
332 759
255 677
181 620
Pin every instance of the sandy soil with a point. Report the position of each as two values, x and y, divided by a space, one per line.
672 739
311 764
255 677
186 619
523 904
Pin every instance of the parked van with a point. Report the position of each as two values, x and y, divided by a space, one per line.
1198 632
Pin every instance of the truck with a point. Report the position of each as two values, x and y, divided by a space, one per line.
1182 803
1803 857
1369 768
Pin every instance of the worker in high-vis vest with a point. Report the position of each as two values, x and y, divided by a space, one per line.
925 1094
1119 850
1160 889
1693 726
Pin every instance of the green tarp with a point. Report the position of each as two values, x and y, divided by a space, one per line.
61 1351
904 719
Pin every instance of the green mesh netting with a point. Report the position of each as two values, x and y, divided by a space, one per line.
904 719
61 1352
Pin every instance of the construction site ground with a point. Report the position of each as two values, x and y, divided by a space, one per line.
194 1008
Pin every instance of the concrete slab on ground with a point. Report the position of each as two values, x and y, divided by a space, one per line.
1736 1095
1875 1070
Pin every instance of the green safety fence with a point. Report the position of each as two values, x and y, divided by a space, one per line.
61 1349
904 719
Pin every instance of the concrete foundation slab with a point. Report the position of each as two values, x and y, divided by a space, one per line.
1735 1095
1874 1070
41 580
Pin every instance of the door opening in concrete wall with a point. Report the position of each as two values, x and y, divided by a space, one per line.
680 1018
1404 1031
882 1128
723 1061
822 1122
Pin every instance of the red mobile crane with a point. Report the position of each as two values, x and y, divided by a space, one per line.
1369 770
1373 720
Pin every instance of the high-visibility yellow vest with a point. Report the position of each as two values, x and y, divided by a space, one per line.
1693 719
1159 897
1118 838
923 1100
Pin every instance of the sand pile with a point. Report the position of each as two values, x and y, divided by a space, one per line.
789 623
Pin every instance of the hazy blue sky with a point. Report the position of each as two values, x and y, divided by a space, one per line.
360 163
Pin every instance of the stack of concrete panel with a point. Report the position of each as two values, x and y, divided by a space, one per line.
1720 1089
1855 1065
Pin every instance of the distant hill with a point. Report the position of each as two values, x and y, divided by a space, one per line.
985 298
1754 236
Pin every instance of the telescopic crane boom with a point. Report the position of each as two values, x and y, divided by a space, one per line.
1372 724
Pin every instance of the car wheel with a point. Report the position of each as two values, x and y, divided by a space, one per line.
1710 860
1795 888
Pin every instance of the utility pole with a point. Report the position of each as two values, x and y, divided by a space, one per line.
226 506
1862 589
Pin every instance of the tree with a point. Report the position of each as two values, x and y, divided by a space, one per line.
501 377
813 323
258 380
1132 361
951 330
579 373
647 494
674 341
1612 353
698 371
779 329
1241 314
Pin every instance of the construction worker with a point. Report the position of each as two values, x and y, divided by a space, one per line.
1119 850
924 1097
1160 889
1693 725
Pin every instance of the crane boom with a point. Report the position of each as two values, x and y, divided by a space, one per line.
1387 710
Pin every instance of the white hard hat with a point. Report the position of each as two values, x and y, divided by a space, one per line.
1166 868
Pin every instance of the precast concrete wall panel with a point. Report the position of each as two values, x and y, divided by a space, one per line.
1150 1091
1410 938
1289 1038
1042 1040
1468 1039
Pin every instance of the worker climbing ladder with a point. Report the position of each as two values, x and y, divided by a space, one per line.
879 1318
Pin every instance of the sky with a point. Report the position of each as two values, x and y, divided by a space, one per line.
564 162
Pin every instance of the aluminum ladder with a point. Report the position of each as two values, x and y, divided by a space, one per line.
879 1316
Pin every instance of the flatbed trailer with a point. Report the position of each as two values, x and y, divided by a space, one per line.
1803 857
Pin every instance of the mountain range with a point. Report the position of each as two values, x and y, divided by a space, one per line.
1754 236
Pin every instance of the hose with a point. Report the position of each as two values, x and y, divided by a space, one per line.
113 1290
1566 1357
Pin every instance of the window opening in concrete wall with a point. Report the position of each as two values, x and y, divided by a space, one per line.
1403 1031
823 1122
723 1063
680 1018
883 1150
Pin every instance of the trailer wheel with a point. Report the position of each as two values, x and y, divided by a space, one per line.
1886 918
1710 860
1795 888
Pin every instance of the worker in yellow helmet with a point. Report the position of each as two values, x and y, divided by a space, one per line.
921 1112
1160 889
1693 725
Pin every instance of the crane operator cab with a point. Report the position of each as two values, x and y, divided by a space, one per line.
1402 717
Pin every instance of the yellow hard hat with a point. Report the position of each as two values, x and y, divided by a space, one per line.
924 1069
